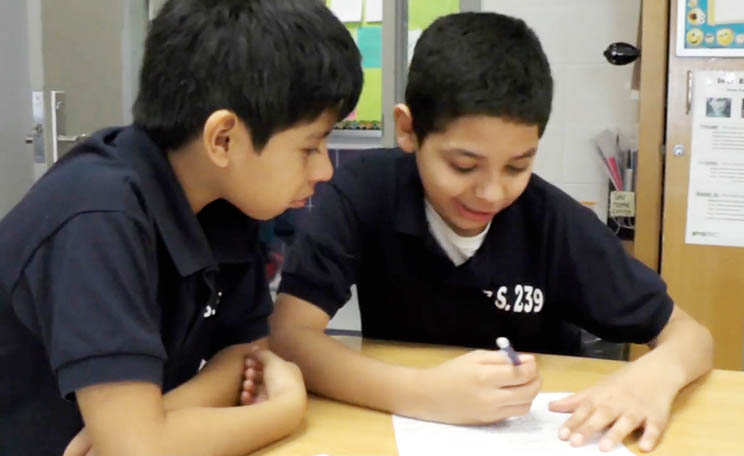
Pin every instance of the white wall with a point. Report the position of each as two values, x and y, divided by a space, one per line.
591 94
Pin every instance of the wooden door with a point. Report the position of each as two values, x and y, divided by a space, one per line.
706 281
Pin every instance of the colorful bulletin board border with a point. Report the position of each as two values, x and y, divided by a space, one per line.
710 28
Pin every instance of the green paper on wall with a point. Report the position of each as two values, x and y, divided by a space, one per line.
370 102
369 41
421 13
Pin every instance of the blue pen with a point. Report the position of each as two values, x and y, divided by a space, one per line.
505 346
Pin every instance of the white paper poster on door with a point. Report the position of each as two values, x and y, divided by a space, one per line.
715 207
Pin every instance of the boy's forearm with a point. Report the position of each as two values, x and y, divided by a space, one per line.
334 370
218 384
128 418
232 431
683 351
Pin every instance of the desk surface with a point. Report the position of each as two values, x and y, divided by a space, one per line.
707 419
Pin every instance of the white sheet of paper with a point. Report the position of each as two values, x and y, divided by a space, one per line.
533 434
726 12
374 11
347 10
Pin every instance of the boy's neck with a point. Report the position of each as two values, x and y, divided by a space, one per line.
195 175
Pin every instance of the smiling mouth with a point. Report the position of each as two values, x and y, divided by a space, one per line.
475 215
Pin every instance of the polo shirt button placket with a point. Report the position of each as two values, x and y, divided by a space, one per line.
211 309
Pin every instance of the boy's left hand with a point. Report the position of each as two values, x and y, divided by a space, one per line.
632 398
253 390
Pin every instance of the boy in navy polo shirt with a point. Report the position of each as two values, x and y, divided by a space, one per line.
135 258
455 241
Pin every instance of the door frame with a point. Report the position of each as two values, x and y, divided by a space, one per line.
651 138
652 133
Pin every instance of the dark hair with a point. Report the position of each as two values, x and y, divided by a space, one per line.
478 64
274 63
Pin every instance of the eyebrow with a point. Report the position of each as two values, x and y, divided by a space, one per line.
467 153
530 153
319 135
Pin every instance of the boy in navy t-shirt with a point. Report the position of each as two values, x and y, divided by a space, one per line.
135 260
454 241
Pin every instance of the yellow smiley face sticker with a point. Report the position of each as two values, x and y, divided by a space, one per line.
692 3
695 37
696 16
725 37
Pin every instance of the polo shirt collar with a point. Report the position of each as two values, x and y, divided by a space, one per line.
189 246
409 216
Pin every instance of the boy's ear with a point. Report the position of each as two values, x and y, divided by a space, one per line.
404 129
220 135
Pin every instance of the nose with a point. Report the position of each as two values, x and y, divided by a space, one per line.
490 190
321 169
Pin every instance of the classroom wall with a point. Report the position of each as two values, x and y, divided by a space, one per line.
590 95
16 161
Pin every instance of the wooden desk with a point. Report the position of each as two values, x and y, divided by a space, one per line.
707 420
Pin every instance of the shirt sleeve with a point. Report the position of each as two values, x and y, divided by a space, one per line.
321 263
245 305
91 300
600 287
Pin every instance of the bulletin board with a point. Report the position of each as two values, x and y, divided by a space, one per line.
363 18
421 13
710 28
368 35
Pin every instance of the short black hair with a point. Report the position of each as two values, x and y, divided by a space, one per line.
274 63
478 64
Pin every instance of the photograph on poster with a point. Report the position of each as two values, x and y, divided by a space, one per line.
718 107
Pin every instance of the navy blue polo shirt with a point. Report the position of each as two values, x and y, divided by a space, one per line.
546 268
107 275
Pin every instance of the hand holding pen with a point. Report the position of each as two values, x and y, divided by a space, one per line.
505 346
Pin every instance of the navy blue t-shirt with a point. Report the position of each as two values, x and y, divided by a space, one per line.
107 275
546 268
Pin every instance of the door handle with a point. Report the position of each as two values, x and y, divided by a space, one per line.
690 87
57 100
72 139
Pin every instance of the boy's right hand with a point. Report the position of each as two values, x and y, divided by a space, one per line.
479 387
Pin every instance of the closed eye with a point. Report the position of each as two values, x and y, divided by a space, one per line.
515 169
462 170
